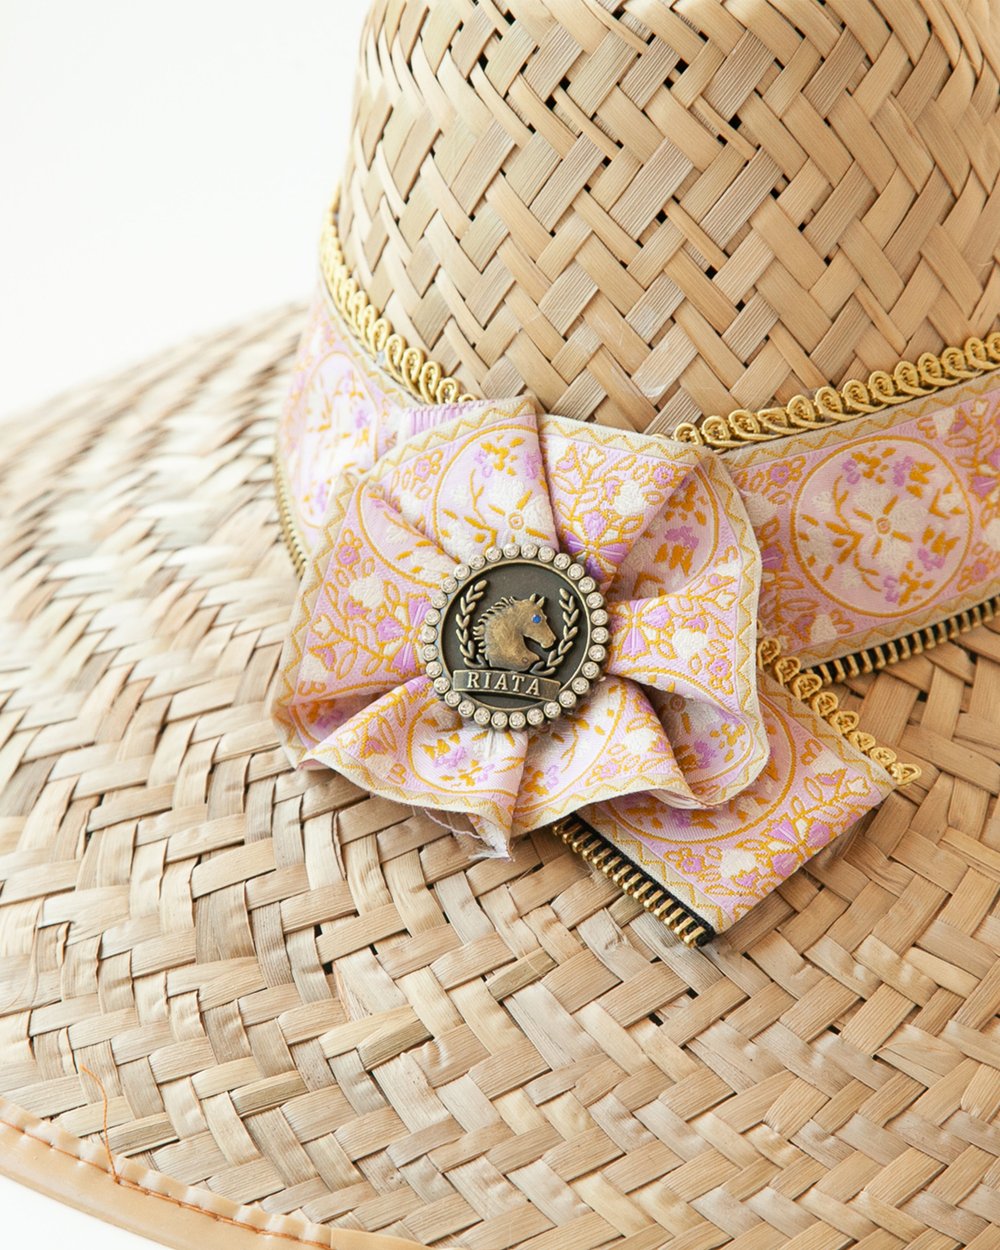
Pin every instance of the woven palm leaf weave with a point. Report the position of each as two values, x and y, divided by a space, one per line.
295 995
313 1009
646 211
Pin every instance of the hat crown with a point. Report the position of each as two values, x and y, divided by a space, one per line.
647 212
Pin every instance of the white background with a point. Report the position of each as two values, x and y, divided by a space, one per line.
164 169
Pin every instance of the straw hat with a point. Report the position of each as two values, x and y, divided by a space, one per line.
244 1004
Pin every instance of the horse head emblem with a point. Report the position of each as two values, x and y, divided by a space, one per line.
502 629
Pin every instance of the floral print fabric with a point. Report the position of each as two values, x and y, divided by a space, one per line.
879 527
868 530
704 771
677 712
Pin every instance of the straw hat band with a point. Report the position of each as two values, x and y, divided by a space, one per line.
881 532
639 567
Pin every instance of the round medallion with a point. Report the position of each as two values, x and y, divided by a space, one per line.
516 637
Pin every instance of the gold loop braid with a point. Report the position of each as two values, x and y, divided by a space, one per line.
830 406
426 380
407 365
809 687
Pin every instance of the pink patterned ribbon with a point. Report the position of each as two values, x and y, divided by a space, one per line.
708 774
879 527
868 530
659 527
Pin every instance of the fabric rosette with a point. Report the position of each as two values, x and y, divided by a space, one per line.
657 526
660 530
705 770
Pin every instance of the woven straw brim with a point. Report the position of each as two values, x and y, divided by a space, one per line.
278 1001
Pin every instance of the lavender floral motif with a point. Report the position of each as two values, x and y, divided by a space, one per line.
868 536
880 527
682 732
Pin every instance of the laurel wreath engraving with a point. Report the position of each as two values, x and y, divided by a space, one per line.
570 614
463 621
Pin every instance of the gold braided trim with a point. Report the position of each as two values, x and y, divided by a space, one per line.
831 405
599 853
809 687
424 379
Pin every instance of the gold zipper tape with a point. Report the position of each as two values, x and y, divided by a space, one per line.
601 854
874 659
286 516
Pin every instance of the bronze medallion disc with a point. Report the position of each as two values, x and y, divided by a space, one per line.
516 637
